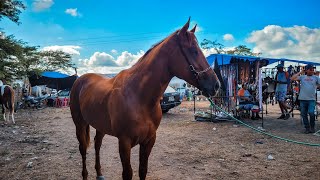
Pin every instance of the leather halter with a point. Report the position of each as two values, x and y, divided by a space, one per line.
192 69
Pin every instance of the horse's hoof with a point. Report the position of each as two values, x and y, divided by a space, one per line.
100 177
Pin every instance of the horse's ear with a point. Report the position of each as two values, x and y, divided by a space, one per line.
184 29
193 29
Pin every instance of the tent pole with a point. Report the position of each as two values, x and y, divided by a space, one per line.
194 100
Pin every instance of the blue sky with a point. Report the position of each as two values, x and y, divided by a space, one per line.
107 36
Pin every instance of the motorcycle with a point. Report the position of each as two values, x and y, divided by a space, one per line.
32 102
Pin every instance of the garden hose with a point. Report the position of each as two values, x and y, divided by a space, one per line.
260 131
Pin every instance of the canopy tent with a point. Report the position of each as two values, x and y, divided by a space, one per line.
53 80
237 69
225 59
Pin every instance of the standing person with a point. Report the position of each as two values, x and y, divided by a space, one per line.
281 84
307 96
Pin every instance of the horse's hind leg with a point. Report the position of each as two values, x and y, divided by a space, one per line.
125 152
4 113
97 144
83 136
12 116
145 150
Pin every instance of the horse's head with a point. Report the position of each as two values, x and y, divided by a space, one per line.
190 63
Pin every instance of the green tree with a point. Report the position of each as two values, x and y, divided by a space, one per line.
9 48
207 44
54 60
18 60
11 9
242 50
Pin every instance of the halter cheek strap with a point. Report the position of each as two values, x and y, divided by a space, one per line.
198 73
192 69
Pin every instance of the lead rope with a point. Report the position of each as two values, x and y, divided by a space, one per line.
260 131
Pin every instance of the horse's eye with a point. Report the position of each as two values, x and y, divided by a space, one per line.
194 51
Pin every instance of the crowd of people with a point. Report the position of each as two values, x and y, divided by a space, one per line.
306 94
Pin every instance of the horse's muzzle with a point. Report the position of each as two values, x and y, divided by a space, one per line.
213 90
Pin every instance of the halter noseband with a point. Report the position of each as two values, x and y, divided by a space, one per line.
192 69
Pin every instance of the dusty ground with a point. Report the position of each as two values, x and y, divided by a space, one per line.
185 149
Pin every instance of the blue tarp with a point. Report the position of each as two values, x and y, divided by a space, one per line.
224 59
51 74
53 80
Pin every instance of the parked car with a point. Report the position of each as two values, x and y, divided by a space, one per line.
170 99
61 94
64 93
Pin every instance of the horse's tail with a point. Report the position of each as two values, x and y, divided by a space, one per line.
82 127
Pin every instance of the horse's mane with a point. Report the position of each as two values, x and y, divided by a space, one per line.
153 46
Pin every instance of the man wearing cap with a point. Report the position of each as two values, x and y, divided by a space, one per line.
281 84
307 96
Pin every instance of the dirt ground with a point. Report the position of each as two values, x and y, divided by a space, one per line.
43 145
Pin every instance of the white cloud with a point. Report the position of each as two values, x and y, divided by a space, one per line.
113 51
101 70
101 59
101 62
40 5
73 12
73 50
128 59
2 35
297 42
208 52
228 37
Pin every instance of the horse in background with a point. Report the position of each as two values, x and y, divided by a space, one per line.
127 106
7 101
36 91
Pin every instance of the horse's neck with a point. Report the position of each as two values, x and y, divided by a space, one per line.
151 75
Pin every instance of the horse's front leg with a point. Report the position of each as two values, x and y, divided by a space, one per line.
97 145
125 152
12 117
11 111
145 150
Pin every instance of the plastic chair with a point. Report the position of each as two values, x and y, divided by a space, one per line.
58 102
65 102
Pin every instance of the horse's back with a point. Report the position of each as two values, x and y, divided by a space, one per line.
89 84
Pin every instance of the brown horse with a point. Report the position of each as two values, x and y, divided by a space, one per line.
128 105
7 101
